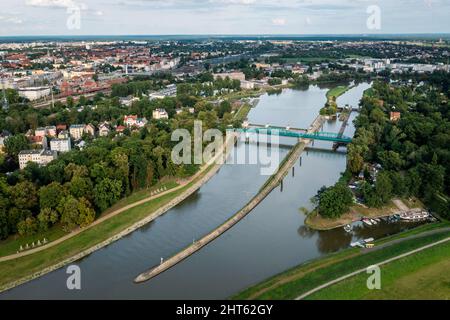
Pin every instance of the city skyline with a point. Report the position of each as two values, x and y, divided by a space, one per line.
230 17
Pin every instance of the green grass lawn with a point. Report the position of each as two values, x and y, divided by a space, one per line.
13 243
423 275
242 113
18 268
310 275
337 91
141 194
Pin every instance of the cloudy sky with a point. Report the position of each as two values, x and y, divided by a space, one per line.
119 17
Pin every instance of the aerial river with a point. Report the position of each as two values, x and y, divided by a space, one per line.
270 240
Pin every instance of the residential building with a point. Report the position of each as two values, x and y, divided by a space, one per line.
34 93
40 132
159 114
395 116
42 157
3 137
51 131
90 130
64 134
60 145
104 129
231 75
76 131
128 101
134 121
247 85
39 140
169 91
120 129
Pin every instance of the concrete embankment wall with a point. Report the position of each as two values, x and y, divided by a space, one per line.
151 217
271 184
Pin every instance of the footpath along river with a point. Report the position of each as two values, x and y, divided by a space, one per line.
269 240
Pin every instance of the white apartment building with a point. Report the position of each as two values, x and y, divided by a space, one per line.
159 114
34 93
76 131
60 145
42 157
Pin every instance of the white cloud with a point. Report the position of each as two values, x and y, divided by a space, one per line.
234 1
13 20
55 4
279 22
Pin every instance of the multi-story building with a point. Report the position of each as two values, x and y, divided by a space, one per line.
104 129
34 93
40 132
64 134
76 131
231 75
51 131
3 137
90 130
134 121
42 157
247 85
160 114
60 145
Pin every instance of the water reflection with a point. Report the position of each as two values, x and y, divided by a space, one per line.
270 240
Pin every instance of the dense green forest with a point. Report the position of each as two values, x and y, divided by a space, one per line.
74 189
413 152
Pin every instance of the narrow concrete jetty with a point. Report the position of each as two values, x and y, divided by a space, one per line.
271 184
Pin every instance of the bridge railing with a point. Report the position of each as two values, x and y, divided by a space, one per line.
324 136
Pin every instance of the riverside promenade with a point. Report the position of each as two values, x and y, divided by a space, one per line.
197 181
271 184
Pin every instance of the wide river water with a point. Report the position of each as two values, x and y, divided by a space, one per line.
271 239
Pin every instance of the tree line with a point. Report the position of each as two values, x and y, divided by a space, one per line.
412 153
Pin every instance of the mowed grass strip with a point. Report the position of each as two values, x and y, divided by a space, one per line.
423 275
17 269
13 243
337 91
300 279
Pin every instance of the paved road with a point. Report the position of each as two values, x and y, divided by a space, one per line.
330 283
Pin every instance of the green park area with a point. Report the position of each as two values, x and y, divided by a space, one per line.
422 276
308 276
14 270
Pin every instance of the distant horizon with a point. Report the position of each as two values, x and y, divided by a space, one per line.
428 35
218 17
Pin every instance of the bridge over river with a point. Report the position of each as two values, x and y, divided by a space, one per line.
298 133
